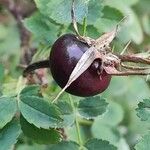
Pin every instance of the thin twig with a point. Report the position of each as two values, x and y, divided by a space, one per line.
125 48
133 58
134 67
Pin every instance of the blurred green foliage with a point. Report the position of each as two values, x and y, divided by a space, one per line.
116 126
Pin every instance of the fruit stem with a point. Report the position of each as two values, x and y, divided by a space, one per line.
76 121
36 65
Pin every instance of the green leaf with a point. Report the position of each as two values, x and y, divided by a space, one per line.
114 113
143 7
8 108
104 126
9 135
39 112
112 13
132 29
104 25
146 23
8 86
30 147
62 14
104 131
92 107
41 136
33 90
65 107
67 114
144 143
143 110
41 27
130 2
92 32
1 73
94 10
97 144
65 145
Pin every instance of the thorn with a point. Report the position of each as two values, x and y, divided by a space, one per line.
125 48
122 20
113 48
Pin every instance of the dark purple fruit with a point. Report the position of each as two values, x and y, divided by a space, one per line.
65 53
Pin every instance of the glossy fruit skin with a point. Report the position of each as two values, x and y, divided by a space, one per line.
64 55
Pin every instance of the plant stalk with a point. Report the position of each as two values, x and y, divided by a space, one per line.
133 58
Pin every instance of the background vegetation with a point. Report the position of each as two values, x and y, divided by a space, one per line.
119 118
